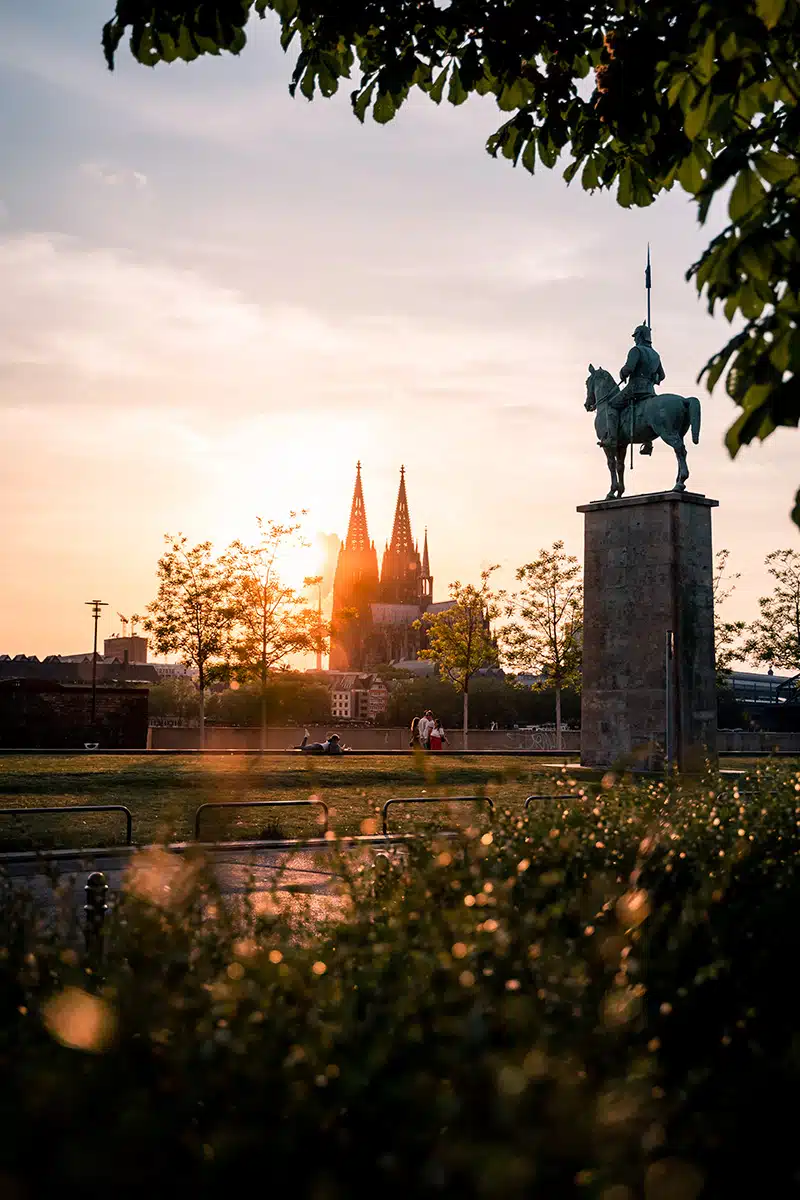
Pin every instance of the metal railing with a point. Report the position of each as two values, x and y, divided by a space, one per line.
260 804
77 808
432 800
543 797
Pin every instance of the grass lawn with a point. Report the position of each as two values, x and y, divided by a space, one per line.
164 793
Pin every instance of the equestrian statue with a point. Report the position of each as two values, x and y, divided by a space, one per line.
636 414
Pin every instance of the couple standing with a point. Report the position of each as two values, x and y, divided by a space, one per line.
427 732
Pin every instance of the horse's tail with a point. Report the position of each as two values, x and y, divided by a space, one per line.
694 417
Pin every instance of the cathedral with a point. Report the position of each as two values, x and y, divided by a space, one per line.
374 612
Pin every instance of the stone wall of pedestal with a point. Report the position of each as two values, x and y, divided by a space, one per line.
648 569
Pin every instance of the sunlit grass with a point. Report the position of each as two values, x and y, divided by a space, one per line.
164 793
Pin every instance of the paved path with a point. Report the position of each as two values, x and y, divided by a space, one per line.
301 875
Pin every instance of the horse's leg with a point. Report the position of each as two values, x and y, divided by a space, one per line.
620 453
675 440
610 453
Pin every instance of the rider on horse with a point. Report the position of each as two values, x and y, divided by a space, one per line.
642 371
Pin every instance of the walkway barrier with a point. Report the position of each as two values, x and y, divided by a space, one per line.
77 808
432 800
95 911
543 797
260 804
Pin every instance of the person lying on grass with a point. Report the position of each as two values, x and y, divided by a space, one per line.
331 745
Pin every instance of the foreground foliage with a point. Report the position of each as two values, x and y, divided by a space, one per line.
592 1000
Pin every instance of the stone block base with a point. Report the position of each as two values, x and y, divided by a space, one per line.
648 583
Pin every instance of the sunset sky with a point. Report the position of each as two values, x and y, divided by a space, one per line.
215 299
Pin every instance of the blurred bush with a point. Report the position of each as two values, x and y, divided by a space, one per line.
592 1000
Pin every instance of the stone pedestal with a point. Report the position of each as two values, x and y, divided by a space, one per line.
648 635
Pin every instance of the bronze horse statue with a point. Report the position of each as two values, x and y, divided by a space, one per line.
667 416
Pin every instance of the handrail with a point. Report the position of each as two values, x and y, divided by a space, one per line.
430 800
546 797
78 808
259 804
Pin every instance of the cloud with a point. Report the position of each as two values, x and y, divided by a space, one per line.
120 178
81 324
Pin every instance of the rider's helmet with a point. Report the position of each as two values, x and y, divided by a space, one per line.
642 334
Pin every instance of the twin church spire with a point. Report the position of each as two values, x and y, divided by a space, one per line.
359 589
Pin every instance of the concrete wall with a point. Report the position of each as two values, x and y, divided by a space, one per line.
763 742
230 738
648 570
225 738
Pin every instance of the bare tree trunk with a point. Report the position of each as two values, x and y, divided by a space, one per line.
466 720
202 714
558 718
263 735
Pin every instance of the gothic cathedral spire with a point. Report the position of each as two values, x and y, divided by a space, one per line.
357 532
401 570
355 587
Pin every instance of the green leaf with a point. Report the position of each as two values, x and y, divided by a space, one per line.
436 90
705 59
307 83
529 155
144 50
457 93
697 115
362 100
770 11
589 178
548 152
757 261
625 189
676 87
384 108
509 143
690 176
775 167
749 301
747 192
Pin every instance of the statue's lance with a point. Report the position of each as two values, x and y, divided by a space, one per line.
648 283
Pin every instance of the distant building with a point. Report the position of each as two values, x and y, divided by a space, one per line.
175 671
131 649
374 614
765 688
75 668
355 696
44 714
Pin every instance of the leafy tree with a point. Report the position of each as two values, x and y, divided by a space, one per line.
727 634
775 635
191 614
703 96
177 698
460 639
410 698
273 621
546 635
494 699
290 699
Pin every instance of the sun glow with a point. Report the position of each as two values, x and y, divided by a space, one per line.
274 467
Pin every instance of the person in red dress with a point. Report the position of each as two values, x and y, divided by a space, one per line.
438 738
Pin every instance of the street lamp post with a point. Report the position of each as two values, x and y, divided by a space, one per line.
96 606
316 581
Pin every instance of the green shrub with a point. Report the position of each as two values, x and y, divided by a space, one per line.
595 999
